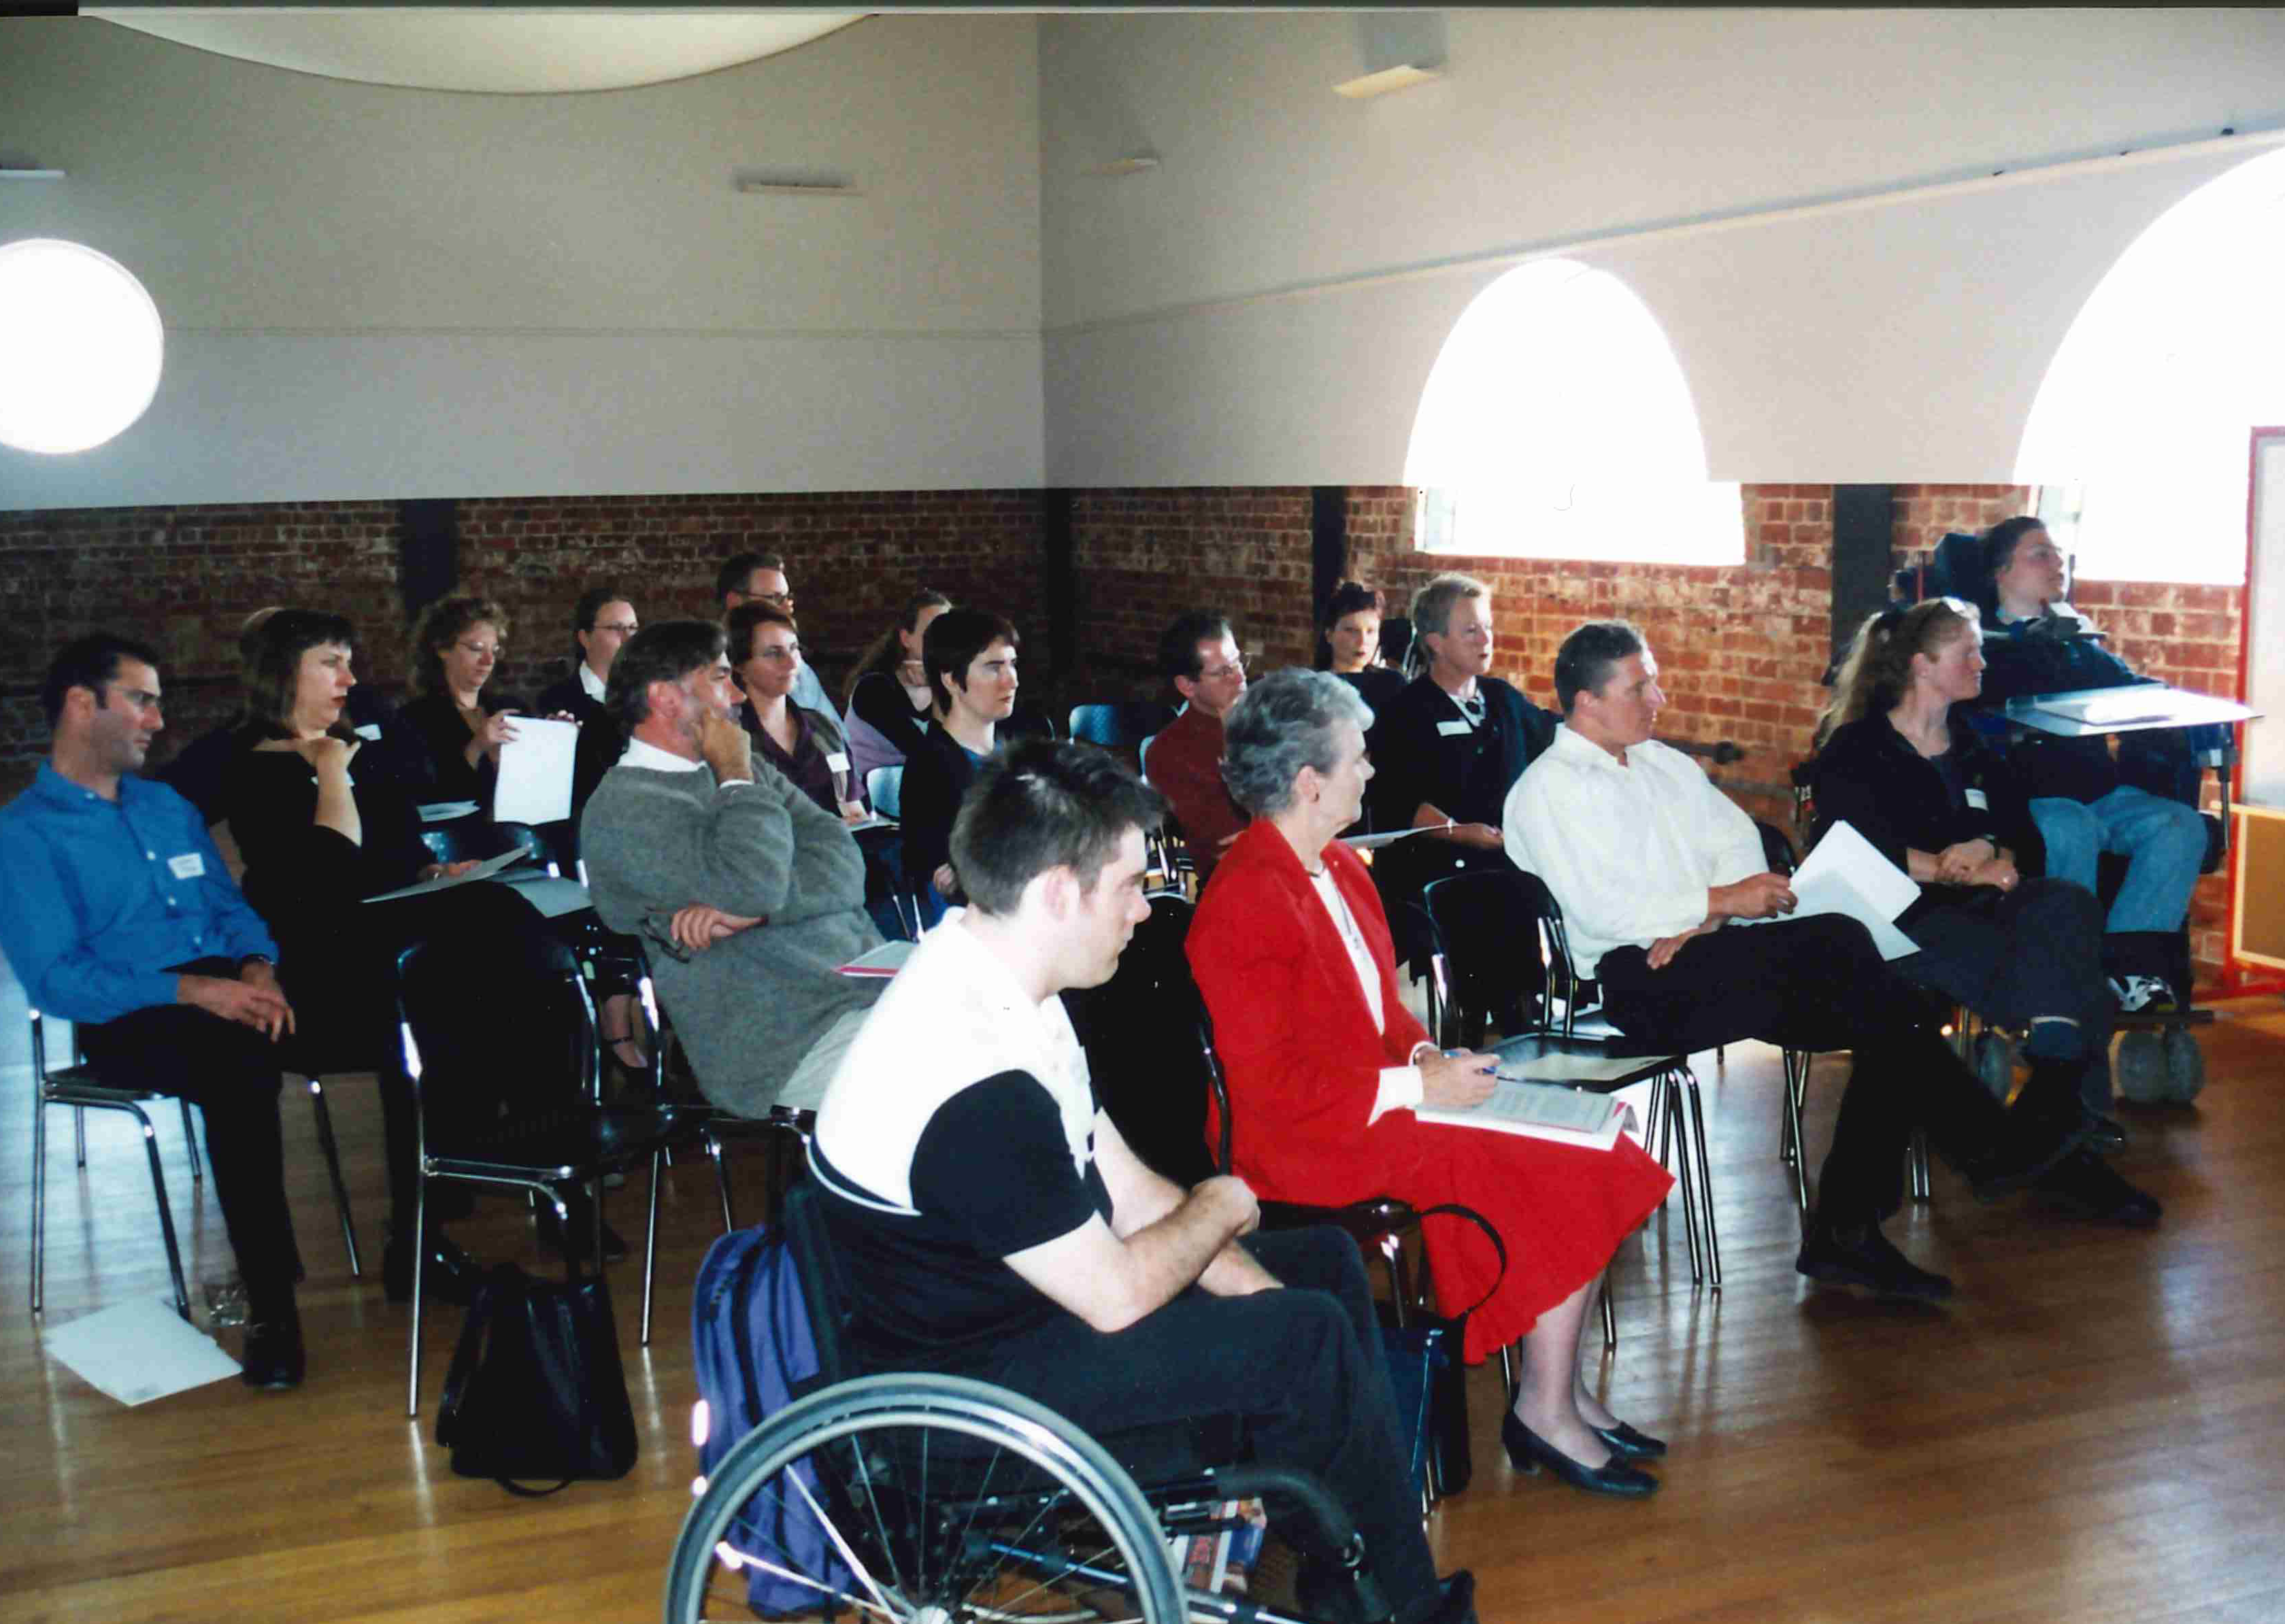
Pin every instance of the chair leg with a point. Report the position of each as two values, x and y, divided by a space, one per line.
650 1245
333 1155
1682 1175
166 1216
1796 1088
1697 1098
39 1191
419 1253
1400 1288
1610 1315
1916 1166
190 1145
79 1137
721 1180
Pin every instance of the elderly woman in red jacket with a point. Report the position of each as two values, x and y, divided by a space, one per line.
1292 951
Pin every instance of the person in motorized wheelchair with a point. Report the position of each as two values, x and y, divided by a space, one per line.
1903 766
988 1221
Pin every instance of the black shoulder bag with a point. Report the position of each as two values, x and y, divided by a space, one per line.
536 1393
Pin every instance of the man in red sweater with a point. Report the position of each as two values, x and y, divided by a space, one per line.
1198 653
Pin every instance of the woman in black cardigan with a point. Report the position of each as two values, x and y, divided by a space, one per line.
321 827
1905 769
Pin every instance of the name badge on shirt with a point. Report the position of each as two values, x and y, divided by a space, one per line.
189 865
1453 730
1977 801
837 762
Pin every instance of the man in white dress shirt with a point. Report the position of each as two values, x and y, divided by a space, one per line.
1649 862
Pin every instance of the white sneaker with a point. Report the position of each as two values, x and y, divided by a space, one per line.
2137 993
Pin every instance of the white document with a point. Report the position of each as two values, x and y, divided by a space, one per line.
1369 843
1847 875
138 1351
535 771
553 897
485 870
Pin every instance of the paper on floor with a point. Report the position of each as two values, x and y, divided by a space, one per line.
138 1351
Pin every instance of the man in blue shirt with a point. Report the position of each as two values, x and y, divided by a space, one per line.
122 919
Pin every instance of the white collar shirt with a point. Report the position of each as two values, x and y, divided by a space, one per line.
1630 850
953 1016
590 683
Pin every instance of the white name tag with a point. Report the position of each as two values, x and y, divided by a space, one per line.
189 865
371 730
1453 730
837 763
1975 799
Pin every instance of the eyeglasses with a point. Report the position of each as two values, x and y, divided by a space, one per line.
483 651
625 628
1215 673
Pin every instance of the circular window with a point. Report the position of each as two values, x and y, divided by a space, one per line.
80 346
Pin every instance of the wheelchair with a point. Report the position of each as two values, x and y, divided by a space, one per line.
930 1499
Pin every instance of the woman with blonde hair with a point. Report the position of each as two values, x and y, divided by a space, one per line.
452 727
1905 768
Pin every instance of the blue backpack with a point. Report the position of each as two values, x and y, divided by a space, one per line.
755 1353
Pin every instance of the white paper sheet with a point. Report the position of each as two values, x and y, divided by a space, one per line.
138 1351
1847 875
485 870
1367 843
535 771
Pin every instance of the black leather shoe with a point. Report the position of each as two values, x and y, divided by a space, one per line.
273 1358
1863 1257
1628 1444
2085 1181
2105 1135
2034 1145
1527 1452
451 1273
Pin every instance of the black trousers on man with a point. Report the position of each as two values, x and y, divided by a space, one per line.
1819 983
230 1072
1300 1369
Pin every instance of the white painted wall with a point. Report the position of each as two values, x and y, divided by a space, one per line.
1227 317
378 291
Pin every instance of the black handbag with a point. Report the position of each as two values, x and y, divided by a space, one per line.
536 1393
1430 1379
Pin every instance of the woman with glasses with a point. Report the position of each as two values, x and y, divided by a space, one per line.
453 728
806 746
1326 1067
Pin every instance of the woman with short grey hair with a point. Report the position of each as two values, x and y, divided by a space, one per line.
1326 1066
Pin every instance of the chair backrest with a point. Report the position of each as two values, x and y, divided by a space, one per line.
884 788
1777 847
1954 569
1120 726
499 1028
522 837
802 1218
1143 1030
1495 958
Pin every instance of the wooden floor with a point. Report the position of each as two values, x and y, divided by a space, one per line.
2094 1431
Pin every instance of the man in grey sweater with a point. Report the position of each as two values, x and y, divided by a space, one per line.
748 896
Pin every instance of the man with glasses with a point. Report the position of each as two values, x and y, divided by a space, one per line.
1198 655
122 919
748 893
760 577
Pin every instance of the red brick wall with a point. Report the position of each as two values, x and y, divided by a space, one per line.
185 578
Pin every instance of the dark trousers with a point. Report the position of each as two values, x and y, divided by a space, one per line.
1301 1368
1818 984
2015 956
230 1072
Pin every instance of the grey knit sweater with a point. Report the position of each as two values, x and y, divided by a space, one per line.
749 1008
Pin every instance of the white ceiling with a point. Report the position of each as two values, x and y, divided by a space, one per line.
513 52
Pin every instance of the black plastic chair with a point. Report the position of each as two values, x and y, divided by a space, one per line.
500 1044
1511 927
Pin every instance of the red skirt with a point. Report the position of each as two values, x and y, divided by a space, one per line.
1562 1210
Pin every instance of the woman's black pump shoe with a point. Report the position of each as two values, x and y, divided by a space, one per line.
1527 1451
1628 1444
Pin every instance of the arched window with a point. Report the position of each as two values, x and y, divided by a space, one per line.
2139 428
1556 424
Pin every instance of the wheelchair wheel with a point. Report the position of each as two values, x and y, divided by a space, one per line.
1995 1063
927 1499
2141 1068
2185 1066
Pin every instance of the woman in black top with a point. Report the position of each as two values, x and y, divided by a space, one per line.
1352 633
1906 770
970 656
453 728
322 826
804 745
887 705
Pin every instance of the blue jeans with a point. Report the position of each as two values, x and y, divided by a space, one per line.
2162 840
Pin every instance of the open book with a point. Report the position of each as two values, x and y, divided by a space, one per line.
1541 1110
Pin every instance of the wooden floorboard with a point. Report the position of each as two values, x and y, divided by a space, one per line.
2092 1433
